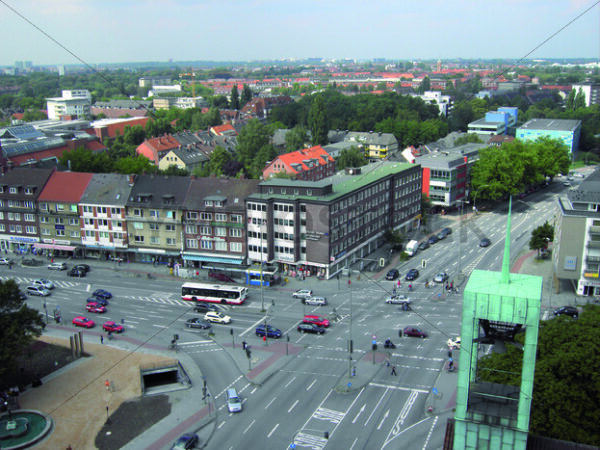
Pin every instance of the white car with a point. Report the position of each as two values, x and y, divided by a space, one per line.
398 300
303 293
6 261
57 266
217 317
454 343
316 301
43 282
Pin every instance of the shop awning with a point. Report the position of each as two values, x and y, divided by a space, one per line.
68 248
212 259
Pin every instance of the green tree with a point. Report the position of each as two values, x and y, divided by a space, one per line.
33 115
351 157
317 121
252 138
174 170
469 138
218 158
19 326
552 156
425 208
570 102
136 165
541 236
424 86
579 100
235 98
246 96
295 138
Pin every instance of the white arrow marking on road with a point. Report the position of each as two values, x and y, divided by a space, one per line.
359 413
387 413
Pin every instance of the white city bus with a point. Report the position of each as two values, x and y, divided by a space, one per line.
201 292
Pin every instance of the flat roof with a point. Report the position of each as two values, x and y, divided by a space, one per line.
551 124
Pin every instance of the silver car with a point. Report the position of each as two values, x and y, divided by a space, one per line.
398 300
302 293
316 301
43 282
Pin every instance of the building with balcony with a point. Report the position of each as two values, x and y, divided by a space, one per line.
19 192
58 213
214 221
321 227
73 104
495 122
576 253
102 216
567 131
154 218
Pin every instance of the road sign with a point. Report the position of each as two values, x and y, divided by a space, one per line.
435 391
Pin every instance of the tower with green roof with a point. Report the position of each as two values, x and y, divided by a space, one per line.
496 307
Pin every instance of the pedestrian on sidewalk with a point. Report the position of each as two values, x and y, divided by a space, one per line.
101 339
387 363
394 371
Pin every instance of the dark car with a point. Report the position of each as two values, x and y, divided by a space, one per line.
423 245
567 311
98 300
101 293
392 274
272 332
310 328
445 232
414 332
432 239
75 272
196 322
412 275
83 267
485 242
186 441
204 307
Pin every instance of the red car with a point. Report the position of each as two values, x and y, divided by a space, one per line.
317 320
95 308
413 331
84 322
113 327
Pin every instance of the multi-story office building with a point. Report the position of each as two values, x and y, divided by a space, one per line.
576 254
102 216
590 90
19 192
320 227
73 104
495 122
567 131
58 206
214 221
154 218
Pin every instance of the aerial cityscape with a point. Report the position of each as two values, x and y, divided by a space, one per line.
320 225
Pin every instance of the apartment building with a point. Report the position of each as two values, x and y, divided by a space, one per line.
567 131
73 104
308 164
576 253
58 213
321 227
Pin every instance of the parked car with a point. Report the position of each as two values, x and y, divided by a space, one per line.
392 274
186 441
83 267
317 320
37 290
440 277
303 293
423 246
217 317
95 308
75 272
446 231
432 239
412 275
44 282
57 266
485 242
315 301
6 261
98 300
272 332
197 322
113 327
310 328
101 293
443 233
414 332
398 300
571 311
454 343
205 307
81 321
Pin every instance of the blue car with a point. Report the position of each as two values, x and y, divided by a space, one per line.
101 293
98 300
271 331
186 441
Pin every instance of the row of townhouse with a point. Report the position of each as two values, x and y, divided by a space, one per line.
317 227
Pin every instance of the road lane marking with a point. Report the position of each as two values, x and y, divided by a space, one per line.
387 413
311 385
248 427
269 404
272 431
420 391
375 408
290 382
359 413
293 406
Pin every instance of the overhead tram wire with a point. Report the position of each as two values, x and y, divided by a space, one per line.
55 41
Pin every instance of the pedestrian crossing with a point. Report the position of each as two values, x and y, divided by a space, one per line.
25 281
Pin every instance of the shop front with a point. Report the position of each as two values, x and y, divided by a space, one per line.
154 256
199 260
18 245
56 248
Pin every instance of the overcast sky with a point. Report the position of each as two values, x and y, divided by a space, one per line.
105 31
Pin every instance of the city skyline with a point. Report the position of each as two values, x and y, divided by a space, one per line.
115 31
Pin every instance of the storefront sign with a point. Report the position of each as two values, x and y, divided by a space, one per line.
570 263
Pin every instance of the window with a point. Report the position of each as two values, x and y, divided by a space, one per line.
17 216
206 216
138 212
171 241
19 229
138 239
30 230
205 230
155 240
221 245
29 217
73 221
60 233
13 190
138 225
170 227
191 243
74 234
154 213
103 223
191 215
60 207
59 220
153 226
88 209
102 210
235 247
45 231
115 211
2 227
220 231
235 232
220 217
171 214
206 245
236 218
43 206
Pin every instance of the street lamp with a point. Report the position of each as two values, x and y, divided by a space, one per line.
475 197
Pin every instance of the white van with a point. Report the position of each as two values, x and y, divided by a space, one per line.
234 404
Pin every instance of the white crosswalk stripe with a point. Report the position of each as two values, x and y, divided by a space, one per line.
27 281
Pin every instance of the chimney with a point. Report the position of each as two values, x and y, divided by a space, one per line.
131 179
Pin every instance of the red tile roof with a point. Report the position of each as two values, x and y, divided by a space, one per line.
225 129
65 187
299 157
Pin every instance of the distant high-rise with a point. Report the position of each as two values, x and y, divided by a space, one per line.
439 65
61 70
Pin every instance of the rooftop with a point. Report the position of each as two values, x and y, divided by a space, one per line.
551 124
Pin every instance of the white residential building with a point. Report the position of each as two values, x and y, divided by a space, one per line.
72 103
